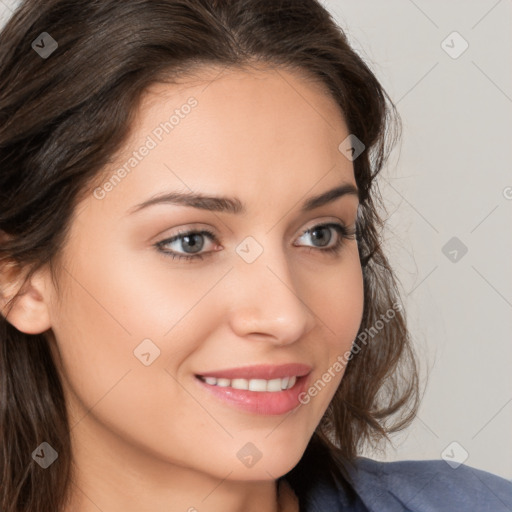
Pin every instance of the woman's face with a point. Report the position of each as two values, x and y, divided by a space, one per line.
134 327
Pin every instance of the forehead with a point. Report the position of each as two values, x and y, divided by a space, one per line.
260 99
253 77
222 129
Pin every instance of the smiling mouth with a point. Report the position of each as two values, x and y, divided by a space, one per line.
257 385
272 396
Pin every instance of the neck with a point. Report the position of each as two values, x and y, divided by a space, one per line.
287 500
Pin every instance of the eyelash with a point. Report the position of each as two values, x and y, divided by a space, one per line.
343 233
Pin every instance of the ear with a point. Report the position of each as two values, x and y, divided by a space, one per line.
29 312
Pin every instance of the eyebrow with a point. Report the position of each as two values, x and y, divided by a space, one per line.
234 205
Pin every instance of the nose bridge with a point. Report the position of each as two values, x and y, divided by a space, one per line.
266 300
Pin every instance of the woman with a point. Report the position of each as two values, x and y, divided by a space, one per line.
191 267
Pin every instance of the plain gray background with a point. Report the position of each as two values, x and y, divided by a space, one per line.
449 182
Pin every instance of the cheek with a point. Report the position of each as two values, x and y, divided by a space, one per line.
338 302
107 385
337 298
113 307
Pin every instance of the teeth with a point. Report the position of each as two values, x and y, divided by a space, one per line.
253 384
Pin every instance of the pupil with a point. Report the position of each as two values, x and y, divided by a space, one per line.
190 240
316 237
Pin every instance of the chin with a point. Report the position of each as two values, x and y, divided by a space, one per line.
277 463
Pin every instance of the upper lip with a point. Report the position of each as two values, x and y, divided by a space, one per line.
262 371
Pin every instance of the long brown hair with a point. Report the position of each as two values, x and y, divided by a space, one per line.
62 118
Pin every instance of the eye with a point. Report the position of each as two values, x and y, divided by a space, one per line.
322 233
192 242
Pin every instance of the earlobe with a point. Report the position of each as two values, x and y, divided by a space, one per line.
29 311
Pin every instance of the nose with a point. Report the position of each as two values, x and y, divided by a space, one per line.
267 302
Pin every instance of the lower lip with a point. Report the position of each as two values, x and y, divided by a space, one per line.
260 402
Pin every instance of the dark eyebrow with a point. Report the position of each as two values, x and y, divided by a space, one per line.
234 205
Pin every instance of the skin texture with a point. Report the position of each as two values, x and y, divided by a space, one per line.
149 438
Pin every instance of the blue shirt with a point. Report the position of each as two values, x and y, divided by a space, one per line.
401 486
